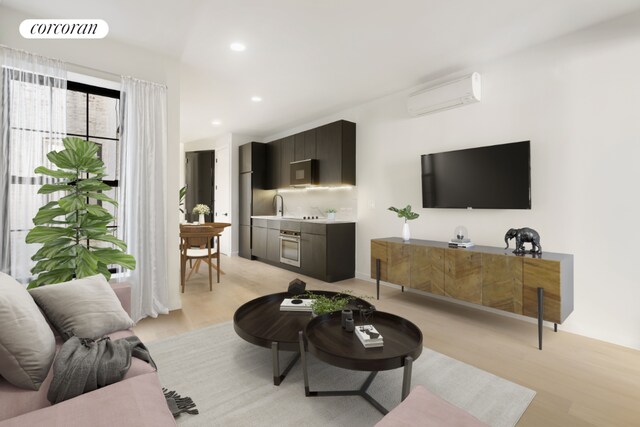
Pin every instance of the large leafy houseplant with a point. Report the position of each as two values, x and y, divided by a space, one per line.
68 227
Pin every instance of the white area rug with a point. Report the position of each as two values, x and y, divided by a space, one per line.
231 382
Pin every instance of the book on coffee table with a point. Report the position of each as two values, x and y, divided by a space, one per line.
369 336
295 304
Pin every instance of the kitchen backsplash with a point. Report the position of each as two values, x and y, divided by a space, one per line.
316 201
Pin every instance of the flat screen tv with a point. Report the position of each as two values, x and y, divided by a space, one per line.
493 177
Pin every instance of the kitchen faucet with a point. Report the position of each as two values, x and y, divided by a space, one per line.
279 212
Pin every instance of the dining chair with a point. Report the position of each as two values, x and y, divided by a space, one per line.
197 243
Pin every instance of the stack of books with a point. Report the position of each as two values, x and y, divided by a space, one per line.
460 244
294 304
369 336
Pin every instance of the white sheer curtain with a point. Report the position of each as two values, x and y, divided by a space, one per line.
33 120
142 195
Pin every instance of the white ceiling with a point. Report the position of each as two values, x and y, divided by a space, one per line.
309 58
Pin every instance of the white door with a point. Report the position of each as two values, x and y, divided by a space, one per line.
222 211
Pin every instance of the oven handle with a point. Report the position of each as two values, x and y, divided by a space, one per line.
289 239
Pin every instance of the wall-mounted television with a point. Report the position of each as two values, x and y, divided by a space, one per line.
493 177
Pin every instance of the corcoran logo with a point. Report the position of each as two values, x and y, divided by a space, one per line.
64 29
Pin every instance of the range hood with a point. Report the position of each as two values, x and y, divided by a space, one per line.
304 173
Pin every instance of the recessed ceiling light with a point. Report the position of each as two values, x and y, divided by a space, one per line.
256 99
237 47
216 122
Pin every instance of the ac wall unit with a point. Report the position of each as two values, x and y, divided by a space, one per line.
444 96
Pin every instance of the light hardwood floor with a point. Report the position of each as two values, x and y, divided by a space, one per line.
579 381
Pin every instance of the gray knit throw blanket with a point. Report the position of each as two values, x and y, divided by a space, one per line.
83 365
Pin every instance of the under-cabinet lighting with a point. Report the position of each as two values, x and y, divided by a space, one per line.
315 188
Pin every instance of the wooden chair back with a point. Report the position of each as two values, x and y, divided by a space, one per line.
200 236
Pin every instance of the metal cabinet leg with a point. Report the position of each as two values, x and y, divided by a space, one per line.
378 278
555 327
276 363
406 376
540 315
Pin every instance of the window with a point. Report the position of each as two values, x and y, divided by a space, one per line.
38 110
93 113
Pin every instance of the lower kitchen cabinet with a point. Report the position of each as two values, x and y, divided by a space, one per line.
259 243
328 251
273 244
313 255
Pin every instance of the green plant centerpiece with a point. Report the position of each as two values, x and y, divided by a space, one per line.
408 215
69 227
323 304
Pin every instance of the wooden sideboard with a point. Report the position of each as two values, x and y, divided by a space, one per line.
539 286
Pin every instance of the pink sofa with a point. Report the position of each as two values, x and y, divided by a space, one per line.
136 400
425 409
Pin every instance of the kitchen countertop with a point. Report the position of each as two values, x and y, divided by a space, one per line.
290 218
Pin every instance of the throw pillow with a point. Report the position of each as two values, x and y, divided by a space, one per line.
85 308
27 344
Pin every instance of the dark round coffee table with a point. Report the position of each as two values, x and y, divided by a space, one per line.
326 340
261 322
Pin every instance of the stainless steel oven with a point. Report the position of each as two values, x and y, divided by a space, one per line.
290 247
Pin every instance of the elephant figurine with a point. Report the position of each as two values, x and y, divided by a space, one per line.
523 235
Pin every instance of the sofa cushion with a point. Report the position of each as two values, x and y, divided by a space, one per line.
425 409
86 308
15 401
27 344
137 401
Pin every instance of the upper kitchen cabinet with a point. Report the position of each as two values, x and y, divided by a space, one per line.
287 155
309 144
253 157
298 143
333 145
305 145
273 164
336 153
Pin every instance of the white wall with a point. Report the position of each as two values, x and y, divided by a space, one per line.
578 100
121 59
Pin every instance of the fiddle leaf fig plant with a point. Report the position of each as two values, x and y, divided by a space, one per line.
405 213
68 227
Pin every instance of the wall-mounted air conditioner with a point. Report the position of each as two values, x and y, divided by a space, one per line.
444 96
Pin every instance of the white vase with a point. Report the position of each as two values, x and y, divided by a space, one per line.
201 218
331 216
406 234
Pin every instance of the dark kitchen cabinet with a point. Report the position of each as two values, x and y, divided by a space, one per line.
259 242
287 155
298 147
336 153
255 198
328 251
313 255
309 144
273 164
333 145
273 244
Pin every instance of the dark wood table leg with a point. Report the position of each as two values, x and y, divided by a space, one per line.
406 376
